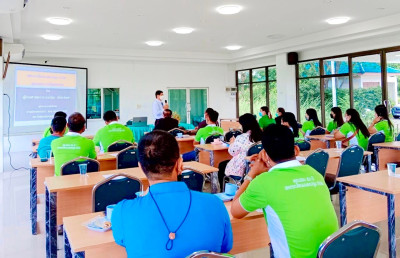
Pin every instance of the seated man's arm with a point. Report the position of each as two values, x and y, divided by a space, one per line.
117 224
92 151
227 241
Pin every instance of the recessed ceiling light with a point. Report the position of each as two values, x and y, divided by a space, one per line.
234 47
154 43
229 9
59 20
52 36
183 30
338 20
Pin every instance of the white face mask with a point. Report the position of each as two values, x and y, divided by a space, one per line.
161 97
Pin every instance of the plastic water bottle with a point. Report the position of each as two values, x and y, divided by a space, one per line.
202 141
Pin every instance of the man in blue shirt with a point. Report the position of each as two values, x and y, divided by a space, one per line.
169 220
58 127
159 106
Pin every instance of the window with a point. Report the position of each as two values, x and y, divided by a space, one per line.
93 110
309 88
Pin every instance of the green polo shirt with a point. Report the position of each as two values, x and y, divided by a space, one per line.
296 205
69 147
383 126
47 131
307 127
111 133
208 131
265 121
331 126
348 129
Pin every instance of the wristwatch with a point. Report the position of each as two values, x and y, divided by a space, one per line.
247 177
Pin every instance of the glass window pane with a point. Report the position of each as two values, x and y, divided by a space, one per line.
198 104
244 98
273 98
393 81
258 75
177 102
310 96
308 69
111 100
243 76
336 66
259 97
93 104
272 73
337 94
367 85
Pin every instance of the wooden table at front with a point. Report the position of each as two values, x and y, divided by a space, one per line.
365 201
185 144
386 152
40 170
72 195
324 141
249 233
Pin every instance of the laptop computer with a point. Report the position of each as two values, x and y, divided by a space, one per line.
139 121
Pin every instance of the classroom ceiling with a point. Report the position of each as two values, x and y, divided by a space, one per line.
127 24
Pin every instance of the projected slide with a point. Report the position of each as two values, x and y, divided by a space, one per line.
41 91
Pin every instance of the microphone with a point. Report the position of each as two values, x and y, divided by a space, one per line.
166 102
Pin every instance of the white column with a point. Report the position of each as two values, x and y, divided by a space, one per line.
286 84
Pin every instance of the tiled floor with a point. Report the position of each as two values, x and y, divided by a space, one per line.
16 240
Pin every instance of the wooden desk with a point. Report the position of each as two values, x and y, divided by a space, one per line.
228 123
35 142
72 195
249 233
367 200
325 141
386 152
185 144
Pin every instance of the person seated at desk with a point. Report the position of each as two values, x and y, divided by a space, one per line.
169 220
266 118
167 123
294 197
48 131
279 113
72 145
289 120
112 132
382 123
58 127
311 123
337 122
211 128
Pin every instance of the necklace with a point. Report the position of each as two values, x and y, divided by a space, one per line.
171 234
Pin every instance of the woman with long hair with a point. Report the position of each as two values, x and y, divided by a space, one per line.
354 130
266 118
289 120
382 123
337 116
238 148
311 123
279 113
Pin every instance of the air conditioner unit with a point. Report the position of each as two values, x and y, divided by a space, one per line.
12 6
229 89
17 52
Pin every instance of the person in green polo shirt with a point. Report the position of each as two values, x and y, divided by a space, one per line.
72 145
311 123
336 115
211 128
266 118
48 131
58 127
112 132
353 126
294 197
382 123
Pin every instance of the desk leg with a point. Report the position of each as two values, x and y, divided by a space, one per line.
391 226
33 202
214 182
67 246
51 224
376 152
79 255
328 144
197 151
369 163
343 208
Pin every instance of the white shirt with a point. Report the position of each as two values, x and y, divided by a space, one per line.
158 109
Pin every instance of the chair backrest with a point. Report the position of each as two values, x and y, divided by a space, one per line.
231 134
255 148
72 167
119 145
375 138
113 190
318 160
398 137
356 239
303 145
318 131
208 254
128 158
175 131
211 138
193 179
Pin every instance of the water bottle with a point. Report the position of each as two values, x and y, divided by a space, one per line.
202 141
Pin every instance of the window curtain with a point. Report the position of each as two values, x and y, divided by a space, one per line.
198 103
177 103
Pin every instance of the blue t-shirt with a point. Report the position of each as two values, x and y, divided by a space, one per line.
138 226
45 145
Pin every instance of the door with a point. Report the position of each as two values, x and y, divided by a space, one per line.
188 103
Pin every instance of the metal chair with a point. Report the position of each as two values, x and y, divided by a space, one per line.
119 145
318 131
356 239
193 179
398 138
231 134
208 254
113 190
128 158
255 148
303 145
211 138
375 138
175 131
72 167
318 160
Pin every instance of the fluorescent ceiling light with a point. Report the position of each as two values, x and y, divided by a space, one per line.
59 20
337 20
234 47
229 9
52 36
183 30
154 43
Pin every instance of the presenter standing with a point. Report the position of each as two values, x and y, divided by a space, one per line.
159 106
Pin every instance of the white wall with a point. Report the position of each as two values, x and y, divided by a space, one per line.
1 115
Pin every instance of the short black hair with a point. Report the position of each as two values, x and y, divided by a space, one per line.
213 116
109 116
169 111
159 92
58 124
278 142
158 154
76 122
60 113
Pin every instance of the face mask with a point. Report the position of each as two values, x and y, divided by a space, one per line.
162 97
331 116
276 114
260 114
307 118
291 129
